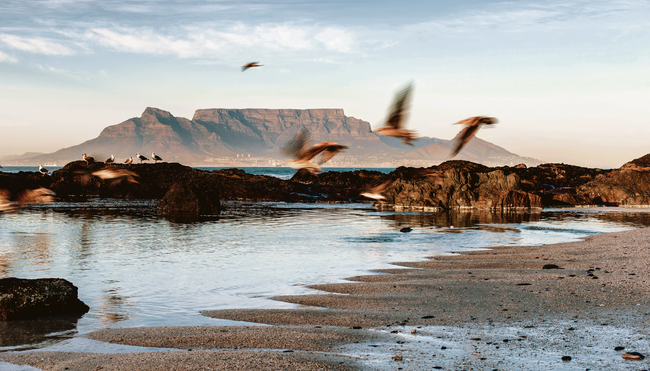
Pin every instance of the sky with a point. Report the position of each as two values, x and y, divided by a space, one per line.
569 81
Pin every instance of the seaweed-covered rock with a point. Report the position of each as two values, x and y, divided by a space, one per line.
30 298
185 201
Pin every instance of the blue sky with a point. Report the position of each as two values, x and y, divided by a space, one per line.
568 80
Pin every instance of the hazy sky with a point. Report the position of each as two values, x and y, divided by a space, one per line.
568 80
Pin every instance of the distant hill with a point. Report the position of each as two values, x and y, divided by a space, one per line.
254 137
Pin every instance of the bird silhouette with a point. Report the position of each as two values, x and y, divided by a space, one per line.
88 159
469 131
110 160
250 65
394 126
141 157
375 193
43 170
303 155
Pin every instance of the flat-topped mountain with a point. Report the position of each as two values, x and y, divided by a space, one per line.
254 137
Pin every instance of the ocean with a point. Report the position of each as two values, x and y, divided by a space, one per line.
134 268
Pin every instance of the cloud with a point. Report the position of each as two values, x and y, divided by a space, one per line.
335 39
35 45
5 58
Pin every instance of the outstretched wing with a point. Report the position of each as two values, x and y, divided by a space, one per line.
296 146
400 106
463 137
326 150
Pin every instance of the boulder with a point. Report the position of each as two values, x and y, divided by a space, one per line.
30 298
186 201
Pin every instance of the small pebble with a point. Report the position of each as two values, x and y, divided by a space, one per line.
566 358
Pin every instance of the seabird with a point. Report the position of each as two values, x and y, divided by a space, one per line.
141 157
376 192
110 160
43 170
128 161
36 196
250 65
395 122
303 155
87 158
117 174
472 126
5 203
155 157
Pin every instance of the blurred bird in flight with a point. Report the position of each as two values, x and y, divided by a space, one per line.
467 133
394 126
376 192
31 196
117 175
303 155
250 65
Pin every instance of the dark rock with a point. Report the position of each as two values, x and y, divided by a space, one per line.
406 229
566 358
30 298
619 348
550 266
185 201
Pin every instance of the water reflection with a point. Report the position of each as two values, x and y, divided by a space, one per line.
39 332
460 219
114 307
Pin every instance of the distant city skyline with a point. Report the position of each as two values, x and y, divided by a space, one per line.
568 80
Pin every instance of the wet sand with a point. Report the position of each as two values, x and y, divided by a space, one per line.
509 307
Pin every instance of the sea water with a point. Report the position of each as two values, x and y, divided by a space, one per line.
134 268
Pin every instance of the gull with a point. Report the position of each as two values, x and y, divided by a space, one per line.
110 160
128 161
304 155
36 196
117 175
5 203
394 124
249 65
155 157
472 126
376 192
88 159
141 157
43 170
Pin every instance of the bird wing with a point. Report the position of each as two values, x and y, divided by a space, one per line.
327 150
296 146
463 137
400 107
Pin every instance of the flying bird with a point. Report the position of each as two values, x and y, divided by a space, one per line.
117 175
467 133
250 65
128 161
376 192
155 157
141 157
110 160
31 196
394 126
303 155
88 159
43 170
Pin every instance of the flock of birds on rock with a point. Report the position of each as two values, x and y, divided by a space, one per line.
304 156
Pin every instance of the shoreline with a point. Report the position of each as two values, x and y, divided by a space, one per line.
499 296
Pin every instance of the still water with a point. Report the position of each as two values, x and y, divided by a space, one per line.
134 268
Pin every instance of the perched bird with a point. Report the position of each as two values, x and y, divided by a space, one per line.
155 157
117 175
249 65
110 160
376 192
88 159
395 122
141 157
43 170
128 161
303 155
472 126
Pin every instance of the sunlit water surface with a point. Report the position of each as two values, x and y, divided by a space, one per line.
134 268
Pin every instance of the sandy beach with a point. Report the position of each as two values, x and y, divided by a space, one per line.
562 306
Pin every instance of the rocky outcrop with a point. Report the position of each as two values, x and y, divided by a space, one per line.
30 298
185 202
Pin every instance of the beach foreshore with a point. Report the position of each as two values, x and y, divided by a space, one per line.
562 306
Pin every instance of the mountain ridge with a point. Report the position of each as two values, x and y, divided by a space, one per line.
254 137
